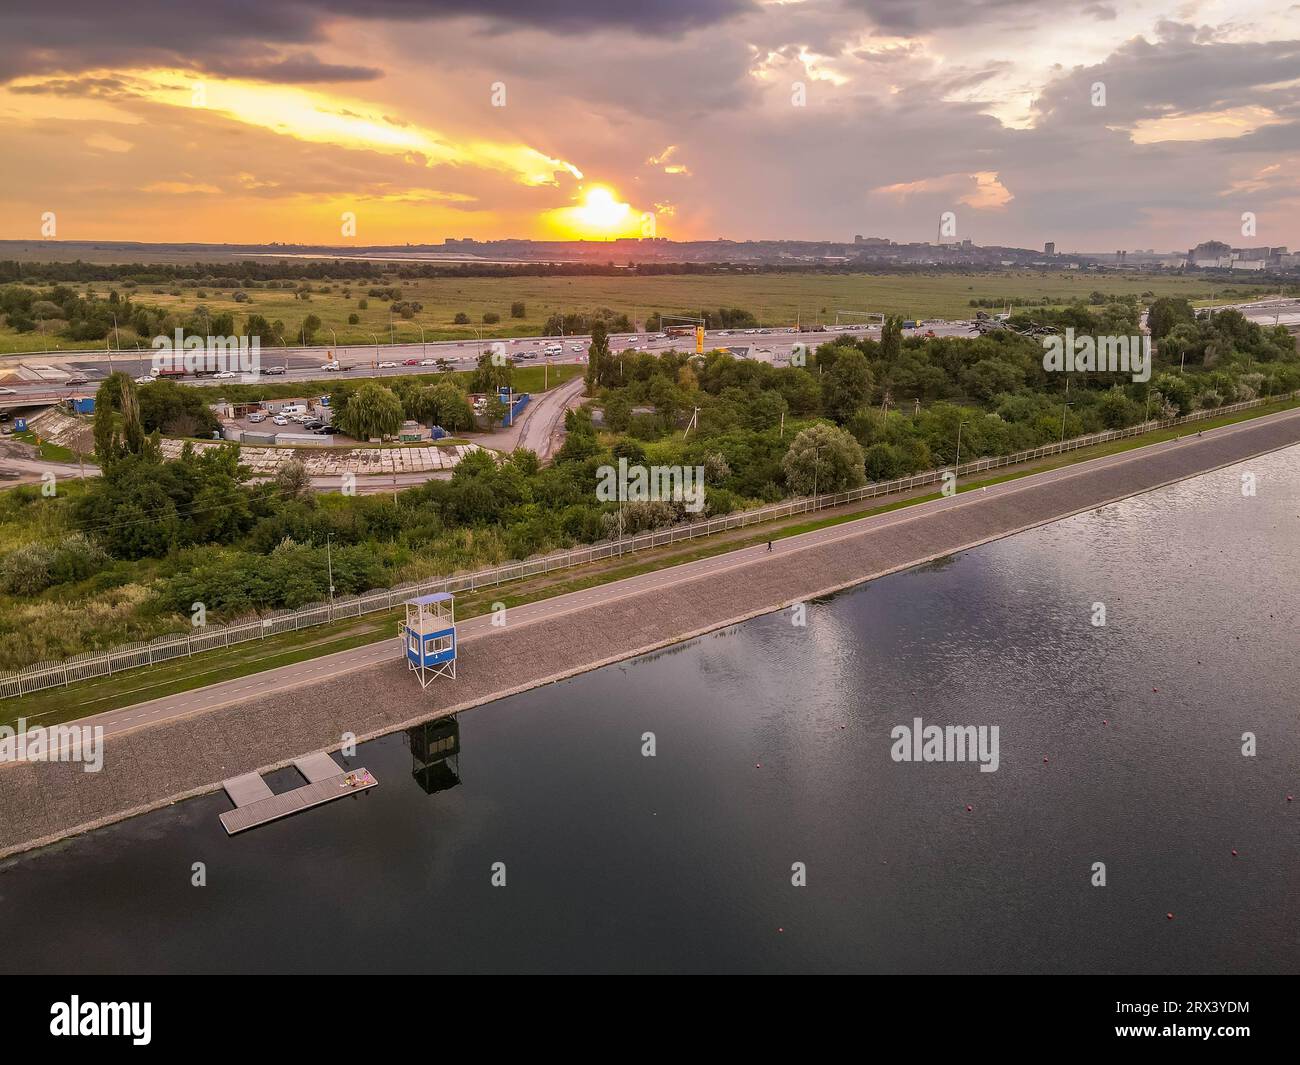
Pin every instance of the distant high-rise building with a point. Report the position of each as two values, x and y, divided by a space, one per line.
1049 248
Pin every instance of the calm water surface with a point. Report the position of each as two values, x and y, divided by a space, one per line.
682 861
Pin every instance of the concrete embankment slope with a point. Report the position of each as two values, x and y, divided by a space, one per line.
149 766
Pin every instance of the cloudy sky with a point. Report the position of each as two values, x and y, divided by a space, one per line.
1099 125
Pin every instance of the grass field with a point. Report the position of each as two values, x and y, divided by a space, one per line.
777 299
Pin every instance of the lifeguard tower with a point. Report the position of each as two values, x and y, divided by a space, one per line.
429 636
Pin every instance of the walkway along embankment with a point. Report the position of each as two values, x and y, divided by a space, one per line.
152 766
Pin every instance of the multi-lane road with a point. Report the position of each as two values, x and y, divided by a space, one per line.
42 377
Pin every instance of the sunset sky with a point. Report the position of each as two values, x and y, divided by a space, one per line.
262 120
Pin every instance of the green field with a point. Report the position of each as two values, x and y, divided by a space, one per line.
777 299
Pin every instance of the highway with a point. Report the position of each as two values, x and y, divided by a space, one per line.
284 678
43 374
37 378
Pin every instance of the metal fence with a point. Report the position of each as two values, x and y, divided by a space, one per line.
166 648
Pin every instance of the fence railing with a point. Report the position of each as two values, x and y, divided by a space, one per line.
94 664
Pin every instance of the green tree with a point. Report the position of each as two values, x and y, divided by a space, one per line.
1167 312
823 458
518 310
371 411
846 386
891 339
598 357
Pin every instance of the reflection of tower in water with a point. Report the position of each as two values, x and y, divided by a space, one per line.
435 754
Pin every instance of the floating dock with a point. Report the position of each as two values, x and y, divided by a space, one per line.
256 804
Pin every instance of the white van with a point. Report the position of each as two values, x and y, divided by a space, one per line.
553 349
293 408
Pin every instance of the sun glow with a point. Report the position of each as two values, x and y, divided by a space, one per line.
599 215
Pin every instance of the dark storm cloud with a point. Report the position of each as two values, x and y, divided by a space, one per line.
1179 72
921 16
245 38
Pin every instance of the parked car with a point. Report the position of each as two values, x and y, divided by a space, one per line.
312 424
257 417
280 419
325 430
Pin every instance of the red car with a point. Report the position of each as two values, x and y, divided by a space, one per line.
411 362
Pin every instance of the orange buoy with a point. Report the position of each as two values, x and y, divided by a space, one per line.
1169 917
1234 852
969 809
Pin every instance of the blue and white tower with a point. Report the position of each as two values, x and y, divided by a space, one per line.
429 636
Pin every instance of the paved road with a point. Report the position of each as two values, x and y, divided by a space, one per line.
272 681
46 371
44 374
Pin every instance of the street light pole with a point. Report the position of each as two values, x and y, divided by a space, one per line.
957 465
329 562
376 340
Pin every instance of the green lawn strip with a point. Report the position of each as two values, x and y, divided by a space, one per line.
210 667
50 452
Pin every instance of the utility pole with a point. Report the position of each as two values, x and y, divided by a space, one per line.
957 465
329 562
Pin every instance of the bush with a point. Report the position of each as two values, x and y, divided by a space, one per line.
461 318
491 317
32 568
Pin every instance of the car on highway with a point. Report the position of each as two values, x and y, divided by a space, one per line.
428 362
411 362
388 365
335 365
576 347
552 349
280 419
11 392
275 371
147 379
225 375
